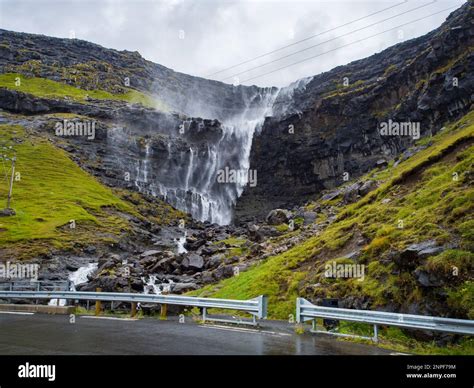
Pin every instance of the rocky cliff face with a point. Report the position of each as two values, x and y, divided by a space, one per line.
310 136
90 66
199 127
326 131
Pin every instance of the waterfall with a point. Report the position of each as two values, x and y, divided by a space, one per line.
77 277
201 194
186 167
151 287
180 243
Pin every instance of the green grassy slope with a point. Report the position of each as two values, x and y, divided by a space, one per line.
45 88
430 192
51 191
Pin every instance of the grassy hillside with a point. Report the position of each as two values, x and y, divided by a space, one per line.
51 192
428 196
45 88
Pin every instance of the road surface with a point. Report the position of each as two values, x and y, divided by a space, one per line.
38 334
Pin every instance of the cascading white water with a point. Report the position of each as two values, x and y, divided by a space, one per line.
199 192
77 277
142 167
180 243
151 287
183 169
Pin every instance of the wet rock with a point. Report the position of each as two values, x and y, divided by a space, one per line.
209 250
179 288
152 252
72 267
330 196
354 255
309 217
223 272
427 279
351 193
410 257
254 233
432 251
367 187
193 243
278 216
7 212
215 261
206 277
193 261
90 250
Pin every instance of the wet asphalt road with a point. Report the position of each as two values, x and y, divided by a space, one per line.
39 334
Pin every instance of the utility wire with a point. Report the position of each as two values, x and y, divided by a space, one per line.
329 40
305 39
357 41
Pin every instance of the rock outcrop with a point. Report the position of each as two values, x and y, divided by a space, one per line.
329 132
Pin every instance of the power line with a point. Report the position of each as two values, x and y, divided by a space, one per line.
357 41
304 40
329 40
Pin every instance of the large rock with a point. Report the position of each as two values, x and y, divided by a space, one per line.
278 216
367 187
179 288
193 261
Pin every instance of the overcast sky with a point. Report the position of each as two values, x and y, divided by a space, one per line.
201 37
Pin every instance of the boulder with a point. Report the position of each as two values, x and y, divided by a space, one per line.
7 212
426 279
330 196
367 187
224 271
278 216
193 261
309 217
254 233
351 192
183 287
151 252
215 261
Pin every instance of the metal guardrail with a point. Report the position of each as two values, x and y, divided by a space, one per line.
306 311
35 285
257 307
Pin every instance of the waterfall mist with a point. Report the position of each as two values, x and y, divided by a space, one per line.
179 157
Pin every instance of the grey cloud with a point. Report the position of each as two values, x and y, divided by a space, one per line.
219 34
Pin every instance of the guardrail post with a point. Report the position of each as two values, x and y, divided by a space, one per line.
97 303
134 310
163 311
204 314
376 333
264 307
298 308
38 287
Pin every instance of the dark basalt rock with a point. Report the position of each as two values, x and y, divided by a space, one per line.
278 216
337 131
